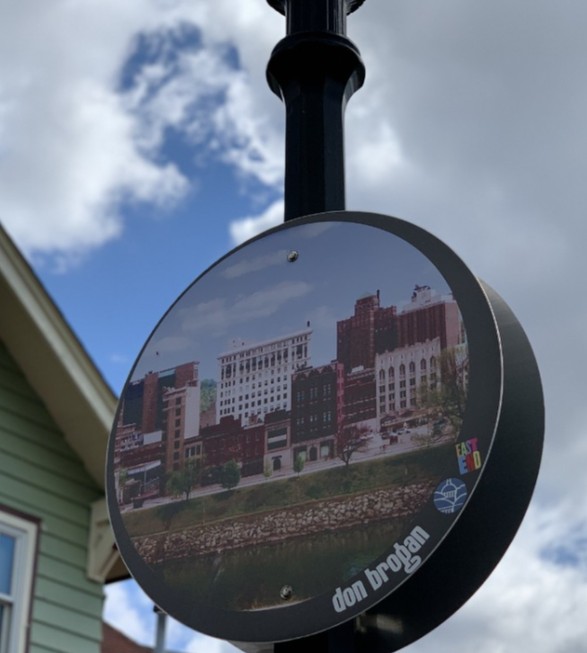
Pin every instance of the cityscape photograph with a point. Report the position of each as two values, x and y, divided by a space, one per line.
279 418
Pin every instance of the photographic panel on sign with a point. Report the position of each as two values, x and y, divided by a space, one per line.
296 419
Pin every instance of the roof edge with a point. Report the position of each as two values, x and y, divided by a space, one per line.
40 340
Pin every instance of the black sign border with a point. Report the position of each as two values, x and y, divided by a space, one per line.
484 408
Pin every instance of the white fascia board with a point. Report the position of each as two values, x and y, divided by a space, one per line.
54 361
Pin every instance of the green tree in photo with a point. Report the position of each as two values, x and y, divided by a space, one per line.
207 394
444 402
122 480
350 438
231 475
298 464
453 375
181 482
267 470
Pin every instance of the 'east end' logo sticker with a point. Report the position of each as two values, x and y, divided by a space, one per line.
468 456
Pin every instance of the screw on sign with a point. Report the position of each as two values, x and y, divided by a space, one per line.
319 479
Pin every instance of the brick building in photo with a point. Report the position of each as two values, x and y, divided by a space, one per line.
370 330
160 414
429 316
278 453
317 409
228 440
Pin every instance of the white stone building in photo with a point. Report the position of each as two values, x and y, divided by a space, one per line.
255 379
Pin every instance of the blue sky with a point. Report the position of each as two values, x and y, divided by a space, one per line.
139 143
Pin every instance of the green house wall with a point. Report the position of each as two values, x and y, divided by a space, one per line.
41 475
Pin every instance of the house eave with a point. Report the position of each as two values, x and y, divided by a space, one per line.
54 361
65 378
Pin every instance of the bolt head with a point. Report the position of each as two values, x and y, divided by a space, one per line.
286 592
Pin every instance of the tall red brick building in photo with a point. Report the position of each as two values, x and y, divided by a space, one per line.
426 317
370 330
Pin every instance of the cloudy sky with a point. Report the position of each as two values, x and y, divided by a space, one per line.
139 143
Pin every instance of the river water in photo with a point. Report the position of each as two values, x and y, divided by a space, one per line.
251 578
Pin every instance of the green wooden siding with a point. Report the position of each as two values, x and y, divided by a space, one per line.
41 475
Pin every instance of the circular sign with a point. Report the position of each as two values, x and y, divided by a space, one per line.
320 427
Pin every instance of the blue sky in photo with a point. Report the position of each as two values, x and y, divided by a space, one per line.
255 294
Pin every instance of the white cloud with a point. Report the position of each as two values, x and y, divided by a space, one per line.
376 151
250 142
73 149
128 609
205 316
529 602
200 93
181 638
269 300
67 150
245 228
218 315
211 645
255 264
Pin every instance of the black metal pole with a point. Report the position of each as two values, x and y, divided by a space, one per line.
315 69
